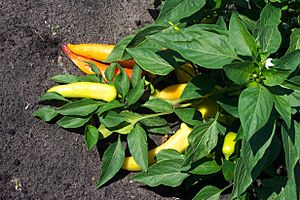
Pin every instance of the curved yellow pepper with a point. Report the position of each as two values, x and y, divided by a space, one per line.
229 144
207 107
185 73
172 92
88 90
179 142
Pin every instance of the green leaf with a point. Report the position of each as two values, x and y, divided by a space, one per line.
150 61
240 37
267 26
119 50
53 96
156 125
250 24
199 86
110 71
228 168
255 153
174 10
209 192
166 172
291 143
274 76
202 140
113 159
204 48
136 76
82 107
289 61
294 99
255 106
90 78
283 107
168 154
189 115
205 168
72 122
136 93
109 106
46 113
137 144
94 68
239 72
294 40
228 107
65 78
122 83
91 136
158 105
111 119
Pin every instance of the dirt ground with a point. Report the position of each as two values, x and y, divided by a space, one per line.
40 160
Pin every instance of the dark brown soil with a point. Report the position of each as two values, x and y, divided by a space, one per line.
40 160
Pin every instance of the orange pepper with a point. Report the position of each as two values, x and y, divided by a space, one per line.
97 52
81 63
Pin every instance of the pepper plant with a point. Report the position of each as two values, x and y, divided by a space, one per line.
246 56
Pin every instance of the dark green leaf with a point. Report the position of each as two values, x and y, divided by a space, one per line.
202 140
91 136
209 192
189 115
267 26
168 154
294 40
156 125
89 78
231 109
289 61
228 168
205 168
72 122
65 78
111 119
166 172
199 86
109 106
205 48
53 96
274 76
110 71
240 37
82 107
158 105
291 143
239 72
283 107
137 144
250 24
255 154
136 93
174 10
255 106
113 159
46 113
122 83
150 61
119 50
136 76
94 68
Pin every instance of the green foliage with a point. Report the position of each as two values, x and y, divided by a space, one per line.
243 63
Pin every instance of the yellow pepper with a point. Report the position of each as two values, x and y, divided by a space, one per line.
179 142
229 144
172 92
88 90
185 73
207 107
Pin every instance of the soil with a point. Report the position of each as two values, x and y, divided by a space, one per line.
40 160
